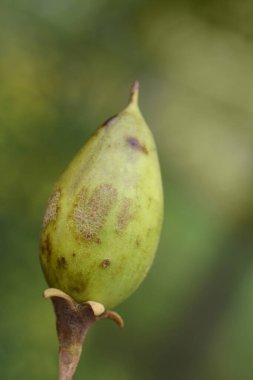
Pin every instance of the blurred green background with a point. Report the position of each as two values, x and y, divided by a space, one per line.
65 67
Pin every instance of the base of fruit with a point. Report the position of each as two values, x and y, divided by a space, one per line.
73 320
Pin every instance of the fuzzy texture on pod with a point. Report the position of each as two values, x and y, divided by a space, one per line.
103 220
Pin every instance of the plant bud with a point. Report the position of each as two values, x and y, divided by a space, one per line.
102 223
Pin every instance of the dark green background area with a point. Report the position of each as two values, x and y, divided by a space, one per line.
65 67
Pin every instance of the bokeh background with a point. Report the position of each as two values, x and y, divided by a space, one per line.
65 67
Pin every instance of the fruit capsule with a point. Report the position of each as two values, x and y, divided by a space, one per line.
103 220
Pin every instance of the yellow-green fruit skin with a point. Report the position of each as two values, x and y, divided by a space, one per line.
102 224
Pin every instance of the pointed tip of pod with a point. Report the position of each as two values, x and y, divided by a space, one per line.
134 93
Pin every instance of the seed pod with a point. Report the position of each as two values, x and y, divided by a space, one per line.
102 224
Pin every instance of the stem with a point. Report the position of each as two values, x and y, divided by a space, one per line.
72 327
73 321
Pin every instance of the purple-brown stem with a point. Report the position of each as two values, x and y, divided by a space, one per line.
73 321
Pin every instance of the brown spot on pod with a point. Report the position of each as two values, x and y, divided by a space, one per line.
109 121
90 211
61 262
56 280
106 263
89 236
135 144
149 201
52 208
77 288
137 242
76 282
46 247
126 213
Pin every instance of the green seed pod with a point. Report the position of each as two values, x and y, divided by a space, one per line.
102 224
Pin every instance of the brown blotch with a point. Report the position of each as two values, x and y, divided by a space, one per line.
106 263
135 143
46 247
52 208
61 262
109 121
137 242
90 212
56 280
126 213
98 241
77 289
76 284
73 254
89 236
